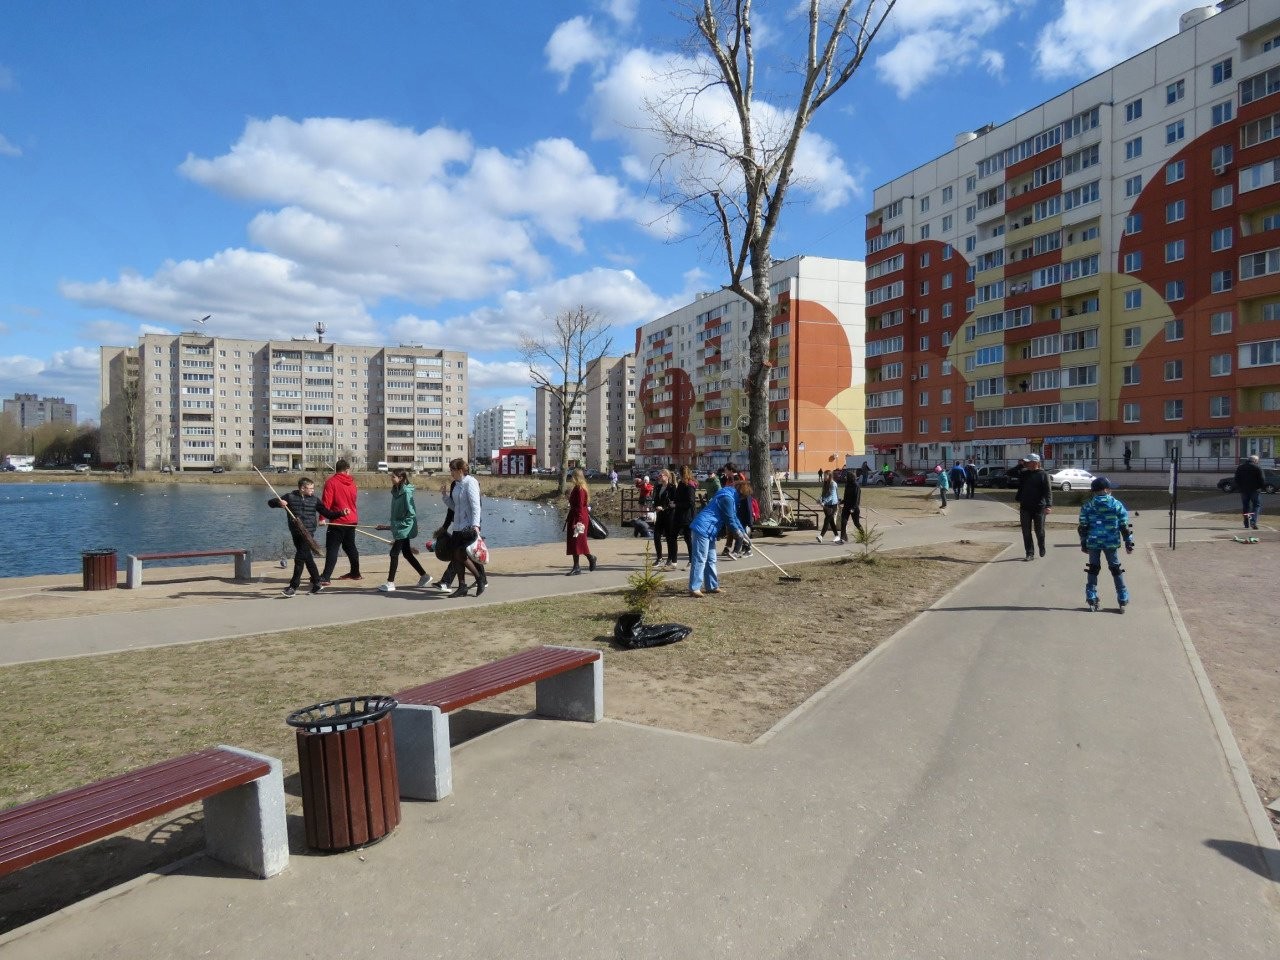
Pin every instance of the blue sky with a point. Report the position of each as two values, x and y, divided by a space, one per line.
448 174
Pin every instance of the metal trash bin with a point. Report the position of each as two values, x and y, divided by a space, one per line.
98 569
347 765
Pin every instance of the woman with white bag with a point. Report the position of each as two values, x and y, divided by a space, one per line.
464 499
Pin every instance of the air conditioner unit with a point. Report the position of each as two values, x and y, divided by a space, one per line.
1219 168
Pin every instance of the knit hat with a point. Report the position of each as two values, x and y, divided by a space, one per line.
1099 484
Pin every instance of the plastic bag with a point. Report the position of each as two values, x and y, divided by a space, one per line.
596 530
478 550
630 632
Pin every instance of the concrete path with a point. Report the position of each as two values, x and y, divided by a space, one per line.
1008 777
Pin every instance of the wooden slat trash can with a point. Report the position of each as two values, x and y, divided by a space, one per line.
98 569
347 767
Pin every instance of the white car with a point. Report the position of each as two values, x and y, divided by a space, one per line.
1071 478
80 468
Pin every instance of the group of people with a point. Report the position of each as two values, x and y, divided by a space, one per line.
337 508
849 503
961 479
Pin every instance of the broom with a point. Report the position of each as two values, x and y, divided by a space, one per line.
786 577
306 534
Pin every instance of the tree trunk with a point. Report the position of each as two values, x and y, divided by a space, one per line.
760 465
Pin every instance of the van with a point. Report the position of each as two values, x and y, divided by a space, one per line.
383 467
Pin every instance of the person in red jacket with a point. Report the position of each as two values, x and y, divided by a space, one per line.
340 494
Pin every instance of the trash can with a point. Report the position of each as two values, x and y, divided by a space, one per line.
347 767
98 569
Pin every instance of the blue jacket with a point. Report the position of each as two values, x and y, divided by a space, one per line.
720 512
1104 523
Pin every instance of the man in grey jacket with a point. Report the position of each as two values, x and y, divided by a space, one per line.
1035 501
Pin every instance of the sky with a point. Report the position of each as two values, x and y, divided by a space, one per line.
452 175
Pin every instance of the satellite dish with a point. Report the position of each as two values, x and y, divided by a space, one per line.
744 423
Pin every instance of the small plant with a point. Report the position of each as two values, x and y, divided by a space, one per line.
869 538
643 587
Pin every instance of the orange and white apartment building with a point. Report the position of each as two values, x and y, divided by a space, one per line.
1096 275
693 364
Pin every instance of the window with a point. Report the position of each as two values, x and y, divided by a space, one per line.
1175 250
1260 131
970 243
1220 156
1133 336
924 343
1133 186
1221 113
1132 110
924 259
1220 322
1220 239
1133 148
1174 329
1133 299
1133 224
1220 365
1133 261
1221 196
947 193
1262 85
1271 311
1263 354
924 232
1220 406
924 204
924 288
1173 409
1173 370
947 249
1175 211
1221 71
1132 375
1220 281
1175 290
1260 264
947 222
1175 171
1175 91
946 281
1132 413
1173 132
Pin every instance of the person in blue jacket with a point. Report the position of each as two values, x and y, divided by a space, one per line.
1104 525
720 514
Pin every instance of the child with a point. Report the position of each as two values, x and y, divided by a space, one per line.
1104 523
304 505
403 527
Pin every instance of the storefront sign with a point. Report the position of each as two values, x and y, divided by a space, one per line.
1013 441
1079 438
1259 431
1213 433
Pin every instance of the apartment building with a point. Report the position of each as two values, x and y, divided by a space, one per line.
193 401
602 424
694 362
30 410
1096 275
506 425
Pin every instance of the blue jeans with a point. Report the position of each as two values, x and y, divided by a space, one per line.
1095 567
1251 506
702 563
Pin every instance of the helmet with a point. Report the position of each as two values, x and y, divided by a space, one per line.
1099 484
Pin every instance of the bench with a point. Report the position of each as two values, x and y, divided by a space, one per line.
243 794
133 579
570 686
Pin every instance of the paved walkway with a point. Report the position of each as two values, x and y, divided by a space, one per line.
1008 777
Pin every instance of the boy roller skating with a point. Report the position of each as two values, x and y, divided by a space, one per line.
1104 525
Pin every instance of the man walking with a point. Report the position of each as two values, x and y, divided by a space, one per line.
1249 483
340 495
1035 501
971 477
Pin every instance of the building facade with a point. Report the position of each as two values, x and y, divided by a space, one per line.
603 423
30 410
693 366
193 401
506 425
1096 276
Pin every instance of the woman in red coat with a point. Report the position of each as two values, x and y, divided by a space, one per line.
576 525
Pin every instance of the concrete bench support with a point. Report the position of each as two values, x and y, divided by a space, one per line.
245 826
575 695
422 752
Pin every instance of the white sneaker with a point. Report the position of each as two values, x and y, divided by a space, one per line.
424 581
444 589
819 538
387 587
837 540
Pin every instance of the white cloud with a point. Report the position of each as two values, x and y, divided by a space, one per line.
936 38
641 76
623 11
72 374
573 44
1092 35
498 375
7 148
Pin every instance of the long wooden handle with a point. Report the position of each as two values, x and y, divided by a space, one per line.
311 541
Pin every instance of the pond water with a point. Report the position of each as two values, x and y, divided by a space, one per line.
49 524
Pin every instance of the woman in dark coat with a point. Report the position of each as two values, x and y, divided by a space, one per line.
684 507
576 544
664 527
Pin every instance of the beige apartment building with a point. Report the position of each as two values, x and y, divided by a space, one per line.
602 429
30 410
193 401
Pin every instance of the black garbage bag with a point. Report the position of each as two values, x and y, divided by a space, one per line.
597 530
631 632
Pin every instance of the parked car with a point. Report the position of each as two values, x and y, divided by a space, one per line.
1071 478
166 468
219 468
80 468
1270 479
927 478
991 475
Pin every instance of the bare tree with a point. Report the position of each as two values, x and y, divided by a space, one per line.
735 173
559 362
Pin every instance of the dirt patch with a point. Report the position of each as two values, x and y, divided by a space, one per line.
1233 617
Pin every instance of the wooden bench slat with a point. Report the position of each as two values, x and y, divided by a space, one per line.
46 827
186 554
478 683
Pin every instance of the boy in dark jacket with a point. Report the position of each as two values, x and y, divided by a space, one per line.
1035 501
305 507
1104 525
1250 480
